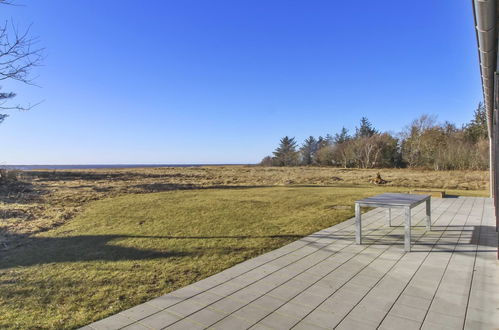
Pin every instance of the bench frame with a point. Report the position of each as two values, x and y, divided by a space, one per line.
395 204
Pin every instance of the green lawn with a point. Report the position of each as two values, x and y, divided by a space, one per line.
123 251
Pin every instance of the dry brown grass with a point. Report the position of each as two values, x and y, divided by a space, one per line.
46 199
66 261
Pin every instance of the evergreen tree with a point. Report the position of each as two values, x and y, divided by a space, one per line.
322 142
308 151
366 129
286 154
329 139
342 136
477 128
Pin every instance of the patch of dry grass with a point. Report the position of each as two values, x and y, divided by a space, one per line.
123 251
44 199
79 245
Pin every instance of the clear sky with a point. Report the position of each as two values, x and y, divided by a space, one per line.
221 81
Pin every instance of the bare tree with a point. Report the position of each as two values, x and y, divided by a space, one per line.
19 54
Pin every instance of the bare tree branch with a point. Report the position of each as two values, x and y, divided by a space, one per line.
19 54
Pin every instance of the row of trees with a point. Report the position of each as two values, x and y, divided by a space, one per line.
423 144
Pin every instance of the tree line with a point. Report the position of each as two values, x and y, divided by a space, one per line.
424 143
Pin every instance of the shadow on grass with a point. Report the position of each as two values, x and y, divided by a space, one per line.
44 250
61 175
158 187
20 192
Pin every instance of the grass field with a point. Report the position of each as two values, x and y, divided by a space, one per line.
47 199
81 245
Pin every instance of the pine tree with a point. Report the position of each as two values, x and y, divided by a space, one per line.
308 151
322 142
366 129
286 154
329 139
477 128
342 136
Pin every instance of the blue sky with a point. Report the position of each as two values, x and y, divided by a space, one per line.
221 81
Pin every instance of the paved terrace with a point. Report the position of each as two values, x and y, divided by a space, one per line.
449 281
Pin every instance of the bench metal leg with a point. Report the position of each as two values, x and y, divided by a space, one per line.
390 217
358 224
407 236
428 214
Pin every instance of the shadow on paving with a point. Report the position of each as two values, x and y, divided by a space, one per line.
439 244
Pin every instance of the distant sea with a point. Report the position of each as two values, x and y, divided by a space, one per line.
97 166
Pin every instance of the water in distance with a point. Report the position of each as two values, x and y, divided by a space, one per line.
97 166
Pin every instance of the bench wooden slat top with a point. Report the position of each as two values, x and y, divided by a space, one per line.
392 199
